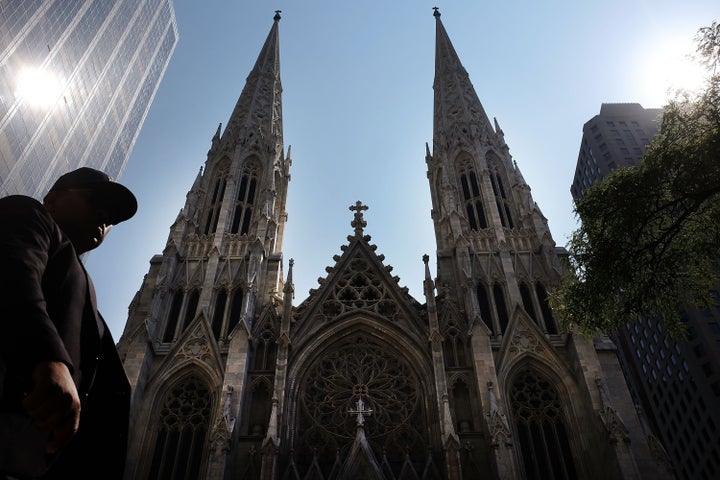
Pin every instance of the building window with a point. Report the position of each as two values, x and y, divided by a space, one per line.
213 208
454 347
485 306
245 200
499 297
173 316
219 314
191 308
528 301
184 419
235 309
538 415
472 200
501 200
550 324
461 407
259 410
265 349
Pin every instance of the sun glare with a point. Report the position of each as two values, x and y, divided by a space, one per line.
669 69
38 87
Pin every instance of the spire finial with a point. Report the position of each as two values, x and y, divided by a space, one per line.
277 15
437 12
358 222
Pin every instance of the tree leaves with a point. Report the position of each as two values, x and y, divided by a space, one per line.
649 240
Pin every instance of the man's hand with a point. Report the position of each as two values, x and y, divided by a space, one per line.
54 404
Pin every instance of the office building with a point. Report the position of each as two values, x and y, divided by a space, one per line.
617 137
677 383
76 81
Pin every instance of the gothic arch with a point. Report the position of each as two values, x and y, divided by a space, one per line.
502 190
361 359
465 405
246 196
469 179
178 424
217 183
257 406
532 383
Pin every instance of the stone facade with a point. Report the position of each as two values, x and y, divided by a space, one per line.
361 380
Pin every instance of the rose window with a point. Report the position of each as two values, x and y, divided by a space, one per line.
360 368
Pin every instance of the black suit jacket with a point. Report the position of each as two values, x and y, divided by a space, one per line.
48 313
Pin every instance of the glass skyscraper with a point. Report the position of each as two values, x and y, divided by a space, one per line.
76 81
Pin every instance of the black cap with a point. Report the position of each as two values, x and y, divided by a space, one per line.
117 200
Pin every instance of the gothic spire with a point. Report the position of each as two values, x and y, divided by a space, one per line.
457 107
257 117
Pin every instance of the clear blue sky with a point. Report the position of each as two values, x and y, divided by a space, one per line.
357 106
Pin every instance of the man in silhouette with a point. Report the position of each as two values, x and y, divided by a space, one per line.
64 396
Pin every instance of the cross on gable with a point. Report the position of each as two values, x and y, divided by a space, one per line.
358 222
360 412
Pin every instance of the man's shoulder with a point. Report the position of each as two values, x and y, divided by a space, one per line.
23 209
20 202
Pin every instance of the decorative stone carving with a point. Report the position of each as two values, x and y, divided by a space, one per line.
196 347
525 340
614 426
497 422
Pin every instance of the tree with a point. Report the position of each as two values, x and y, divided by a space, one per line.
649 240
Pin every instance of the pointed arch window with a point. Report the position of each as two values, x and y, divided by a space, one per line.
183 422
539 419
499 297
245 200
219 314
235 309
258 410
191 308
214 205
501 199
527 300
173 316
485 306
461 407
550 324
264 355
454 348
472 199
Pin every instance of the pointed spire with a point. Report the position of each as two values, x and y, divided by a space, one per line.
457 107
426 260
198 181
289 287
498 130
257 117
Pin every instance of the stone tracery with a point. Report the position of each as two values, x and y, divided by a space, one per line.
360 368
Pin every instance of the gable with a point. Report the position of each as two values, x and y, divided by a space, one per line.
359 283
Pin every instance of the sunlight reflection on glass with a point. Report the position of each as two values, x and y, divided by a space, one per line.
38 87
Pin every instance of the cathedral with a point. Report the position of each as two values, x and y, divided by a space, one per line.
477 379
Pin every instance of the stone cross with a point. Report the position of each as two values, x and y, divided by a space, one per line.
358 222
361 412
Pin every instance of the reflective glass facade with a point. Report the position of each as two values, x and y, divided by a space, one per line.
76 81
